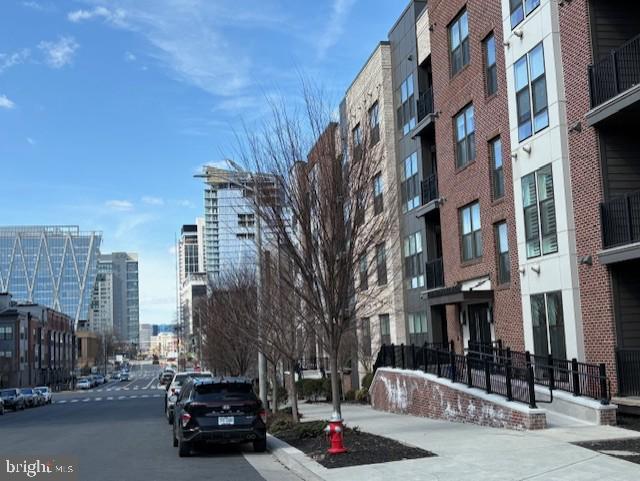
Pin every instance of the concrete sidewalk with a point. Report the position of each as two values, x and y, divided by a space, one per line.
470 452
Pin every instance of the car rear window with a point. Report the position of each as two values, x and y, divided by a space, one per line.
225 392
7 392
27 391
180 379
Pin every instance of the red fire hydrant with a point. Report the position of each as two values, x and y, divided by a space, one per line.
335 434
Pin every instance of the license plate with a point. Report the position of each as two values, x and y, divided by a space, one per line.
226 420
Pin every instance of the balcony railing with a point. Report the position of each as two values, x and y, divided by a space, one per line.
435 273
616 73
429 188
621 220
425 104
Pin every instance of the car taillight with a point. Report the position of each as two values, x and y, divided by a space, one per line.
263 415
185 418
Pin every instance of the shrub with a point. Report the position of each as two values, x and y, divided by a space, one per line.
283 395
367 380
362 395
350 395
311 429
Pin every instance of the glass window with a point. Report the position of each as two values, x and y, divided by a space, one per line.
363 269
497 172
381 264
413 261
374 123
385 328
471 232
365 330
539 213
547 320
459 42
520 9
464 126
531 93
410 184
502 251
378 203
490 64
357 135
406 111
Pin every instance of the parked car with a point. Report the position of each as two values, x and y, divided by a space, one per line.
174 390
45 392
218 410
39 398
124 376
83 383
115 375
100 379
30 397
166 378
1 407
12 398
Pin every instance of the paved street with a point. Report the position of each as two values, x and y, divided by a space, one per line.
118 432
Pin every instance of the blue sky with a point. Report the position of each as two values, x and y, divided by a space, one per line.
108 107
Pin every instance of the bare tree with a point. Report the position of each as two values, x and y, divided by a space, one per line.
321 210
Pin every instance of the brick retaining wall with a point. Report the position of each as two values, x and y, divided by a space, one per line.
421 394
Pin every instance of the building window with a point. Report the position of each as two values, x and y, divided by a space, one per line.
417 328
378 203
502 251
244 220
413 264
243 236
497 172
539 212
381 264
471 232
520 9
407 109
365 330
385 329
531 93
6 333
374 123
357 142
491 68
465 137
547 319
459 42
363 269
410 184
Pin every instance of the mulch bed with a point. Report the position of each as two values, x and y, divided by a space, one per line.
627 449
363 448
628 421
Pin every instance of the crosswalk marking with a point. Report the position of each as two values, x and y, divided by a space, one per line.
107 398
110 398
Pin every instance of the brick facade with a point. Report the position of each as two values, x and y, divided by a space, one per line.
586 182
420 394
460 187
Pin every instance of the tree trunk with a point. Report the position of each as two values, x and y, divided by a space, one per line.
274 389
335 383
293 393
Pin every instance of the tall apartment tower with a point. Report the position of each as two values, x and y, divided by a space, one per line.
50 265
101 313
192 281
125 294
229 222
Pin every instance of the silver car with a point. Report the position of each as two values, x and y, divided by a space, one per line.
45 392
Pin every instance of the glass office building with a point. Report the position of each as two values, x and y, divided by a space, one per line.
50 265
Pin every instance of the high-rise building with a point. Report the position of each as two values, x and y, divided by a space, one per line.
122 270
229 222
146 331
192 280
101 313
50 265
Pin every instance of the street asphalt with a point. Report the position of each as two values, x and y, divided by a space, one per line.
118 432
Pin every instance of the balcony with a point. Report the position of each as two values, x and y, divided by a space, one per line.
616 76
429 188
621 226
435 274
426 114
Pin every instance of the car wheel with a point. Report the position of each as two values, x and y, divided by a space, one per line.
260 445
22 407
184 448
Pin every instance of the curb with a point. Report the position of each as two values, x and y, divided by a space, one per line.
294 459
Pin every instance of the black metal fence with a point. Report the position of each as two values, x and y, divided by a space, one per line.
513 382
621 220
577 378
615 73
499 370
628 363
425 104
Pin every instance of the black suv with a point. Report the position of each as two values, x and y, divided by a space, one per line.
218 410
12 398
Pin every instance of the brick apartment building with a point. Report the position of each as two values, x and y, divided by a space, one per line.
36 345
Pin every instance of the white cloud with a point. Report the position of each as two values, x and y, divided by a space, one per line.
329 37
149 200
6 103
59 53
186 203
115 17
129 57
8 60
119 205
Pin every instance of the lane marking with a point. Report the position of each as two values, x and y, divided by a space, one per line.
74 400
97 399
86 400
121 397
61 401
150 383
110 398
